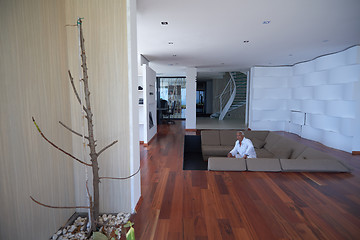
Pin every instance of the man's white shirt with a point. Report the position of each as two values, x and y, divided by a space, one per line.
246 147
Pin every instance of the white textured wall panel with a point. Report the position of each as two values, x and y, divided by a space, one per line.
276 115
268 125
323 122
329 92
315 78
338 141
313 106
297 118
271 93
272 71
344 109
295 105
312 133
344 74
303 68
330 61
270 82
269 104
353 55
302 93
347 126
350 91
295 128
296 81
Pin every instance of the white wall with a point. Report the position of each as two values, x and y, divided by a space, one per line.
322 101
33 82
191 74
106 36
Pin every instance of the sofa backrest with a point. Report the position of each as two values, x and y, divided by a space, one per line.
287 148
210 138
261 135
228 137
271 140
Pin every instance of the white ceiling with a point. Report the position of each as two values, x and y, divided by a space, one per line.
210 34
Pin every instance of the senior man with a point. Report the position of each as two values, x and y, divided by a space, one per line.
243 147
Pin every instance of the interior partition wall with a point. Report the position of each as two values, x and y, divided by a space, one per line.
317 100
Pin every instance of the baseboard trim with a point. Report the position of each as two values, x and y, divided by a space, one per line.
139 203
190 130
355 152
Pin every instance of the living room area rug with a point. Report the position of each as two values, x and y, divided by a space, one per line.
193 159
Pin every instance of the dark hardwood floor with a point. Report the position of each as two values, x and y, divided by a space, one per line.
178 204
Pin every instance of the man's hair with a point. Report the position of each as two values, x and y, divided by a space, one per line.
241 132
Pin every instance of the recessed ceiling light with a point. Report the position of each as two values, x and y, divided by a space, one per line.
246 41
266 22
324 41
171 43
164 23
174 55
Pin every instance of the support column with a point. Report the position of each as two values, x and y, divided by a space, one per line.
191 99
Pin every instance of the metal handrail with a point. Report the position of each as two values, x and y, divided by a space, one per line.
225 98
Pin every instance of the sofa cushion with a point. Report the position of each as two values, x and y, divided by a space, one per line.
263 164
261 135
257 143
310 153
271 140
282 152
228 137
226 164
313 165
263 153
211 138
220 151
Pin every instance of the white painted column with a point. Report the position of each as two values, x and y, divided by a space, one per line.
191 98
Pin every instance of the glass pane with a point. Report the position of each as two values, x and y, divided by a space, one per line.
173 90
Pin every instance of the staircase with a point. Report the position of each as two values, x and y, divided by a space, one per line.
233 95
240 97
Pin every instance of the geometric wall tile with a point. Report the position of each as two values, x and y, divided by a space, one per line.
271 115
315 78
323 122
350 91
270 82
295 128
353 55
295 105
302 93
329 92
297 118
338 141
313 106
311 133
303 68
347 126
344 74
296 81
269 104
268 125
272 71
343 109
272 93
330 61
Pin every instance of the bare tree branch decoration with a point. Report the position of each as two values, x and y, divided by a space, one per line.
93 200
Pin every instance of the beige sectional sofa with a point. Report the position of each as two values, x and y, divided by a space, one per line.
274 153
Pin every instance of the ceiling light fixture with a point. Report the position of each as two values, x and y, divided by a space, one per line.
171 43
164 23
266 22
174 55
246 41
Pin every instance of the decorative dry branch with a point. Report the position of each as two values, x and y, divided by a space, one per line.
52 144
76 133
121 178
74 88
49 206
102 150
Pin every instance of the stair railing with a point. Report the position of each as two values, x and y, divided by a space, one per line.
227 97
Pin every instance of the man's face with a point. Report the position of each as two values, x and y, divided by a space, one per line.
239 137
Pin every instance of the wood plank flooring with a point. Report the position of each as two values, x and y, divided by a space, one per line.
201 205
